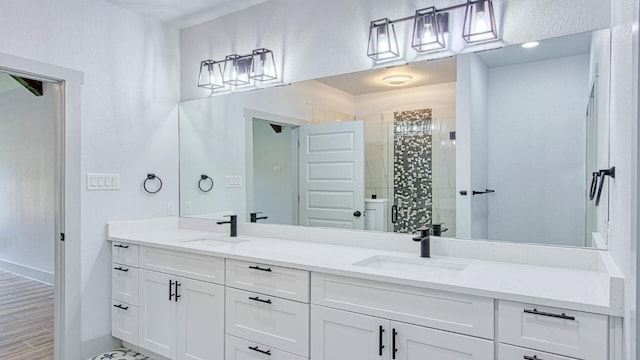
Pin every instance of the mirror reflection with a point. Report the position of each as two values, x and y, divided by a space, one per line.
494 145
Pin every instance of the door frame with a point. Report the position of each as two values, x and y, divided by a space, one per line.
250 115
67 325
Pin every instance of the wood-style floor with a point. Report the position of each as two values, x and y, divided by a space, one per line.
26 318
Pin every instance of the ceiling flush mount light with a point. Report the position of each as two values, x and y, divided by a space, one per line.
531 44
397 79
431 29
428 32
237 70
383 43
479 22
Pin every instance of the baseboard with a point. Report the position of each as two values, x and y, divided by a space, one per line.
26 271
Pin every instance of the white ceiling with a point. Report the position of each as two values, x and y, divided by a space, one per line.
185 13
423 73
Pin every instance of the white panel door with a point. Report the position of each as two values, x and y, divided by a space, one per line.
200 320
410 342
342 335
332 175
157 313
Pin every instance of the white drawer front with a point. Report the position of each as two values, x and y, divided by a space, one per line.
459 313
582 335
124 322
283 324
241 349
272 280
124 284
192 266
508 352
125 254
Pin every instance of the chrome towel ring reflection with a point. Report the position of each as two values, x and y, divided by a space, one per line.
152 178
206 183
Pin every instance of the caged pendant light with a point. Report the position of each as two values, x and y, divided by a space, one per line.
479 22
263 66
210 75
236 69
428 30
383 43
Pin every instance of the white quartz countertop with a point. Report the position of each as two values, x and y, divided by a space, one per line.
576 289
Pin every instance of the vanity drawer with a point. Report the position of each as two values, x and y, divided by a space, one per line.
283 324
124 322
272 280
508 352
192 266
464 314
123 253
241 349
124 284
559 331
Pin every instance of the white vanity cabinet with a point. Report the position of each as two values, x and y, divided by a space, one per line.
379 317
124 292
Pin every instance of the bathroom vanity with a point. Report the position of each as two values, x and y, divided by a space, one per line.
184 289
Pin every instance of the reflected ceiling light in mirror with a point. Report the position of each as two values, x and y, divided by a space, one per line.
383 43
236 69
531 44
397 79
210 75
479 22
263 67
428 32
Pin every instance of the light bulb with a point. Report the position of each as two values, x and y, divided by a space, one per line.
428 36
383 43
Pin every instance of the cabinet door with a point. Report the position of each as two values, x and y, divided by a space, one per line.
158 325
410 342
200 320
341 335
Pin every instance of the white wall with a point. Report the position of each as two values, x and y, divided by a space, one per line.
27 182
129 120
536 151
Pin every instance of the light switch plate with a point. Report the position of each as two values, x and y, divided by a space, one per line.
103 181
233 181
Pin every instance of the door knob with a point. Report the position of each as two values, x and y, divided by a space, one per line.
357 213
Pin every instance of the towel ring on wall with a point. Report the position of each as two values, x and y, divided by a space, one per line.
204 185
152 177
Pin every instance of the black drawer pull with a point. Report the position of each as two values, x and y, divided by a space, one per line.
380 346
534 357
121 246
171 293
268 301
393 344
542 313
121 269
177 291
255 348
121 307
259 268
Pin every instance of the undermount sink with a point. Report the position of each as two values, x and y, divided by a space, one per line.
214 240
412 265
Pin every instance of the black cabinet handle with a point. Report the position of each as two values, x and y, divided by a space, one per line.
357 213
121 246
170 293
268 301
380 346
486 191
594 184
259 268
177 293
121 269
393 344
534 357
121 307
542 313
394 214
255 348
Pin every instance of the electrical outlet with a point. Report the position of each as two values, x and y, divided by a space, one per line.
103 181
188 207
171 209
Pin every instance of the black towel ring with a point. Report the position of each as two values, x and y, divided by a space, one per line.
208 185
151 177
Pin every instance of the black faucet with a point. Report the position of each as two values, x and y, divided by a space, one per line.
233 222
425 242
255 217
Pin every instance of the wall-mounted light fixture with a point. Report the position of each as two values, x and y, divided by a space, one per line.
237 70
431 29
